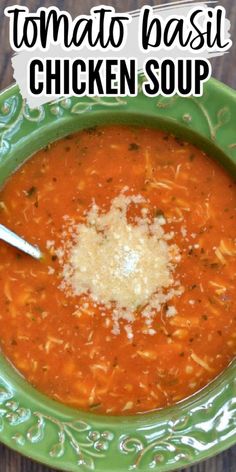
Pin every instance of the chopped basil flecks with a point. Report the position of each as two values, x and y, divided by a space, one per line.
134 147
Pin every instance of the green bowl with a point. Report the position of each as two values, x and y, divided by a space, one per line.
168 439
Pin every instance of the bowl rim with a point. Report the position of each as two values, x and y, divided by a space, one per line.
139 446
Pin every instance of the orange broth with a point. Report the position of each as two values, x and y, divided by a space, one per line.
78 360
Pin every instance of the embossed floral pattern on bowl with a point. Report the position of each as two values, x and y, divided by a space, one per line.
70 440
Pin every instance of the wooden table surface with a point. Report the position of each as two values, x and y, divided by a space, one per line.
224 69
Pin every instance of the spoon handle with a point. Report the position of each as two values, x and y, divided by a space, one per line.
18 242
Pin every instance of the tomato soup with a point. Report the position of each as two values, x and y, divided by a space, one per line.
133 306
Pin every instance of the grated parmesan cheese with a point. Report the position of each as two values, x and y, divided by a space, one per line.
122 265
171 311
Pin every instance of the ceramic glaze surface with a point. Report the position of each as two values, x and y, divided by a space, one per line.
66 439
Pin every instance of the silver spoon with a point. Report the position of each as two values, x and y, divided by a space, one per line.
18 242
